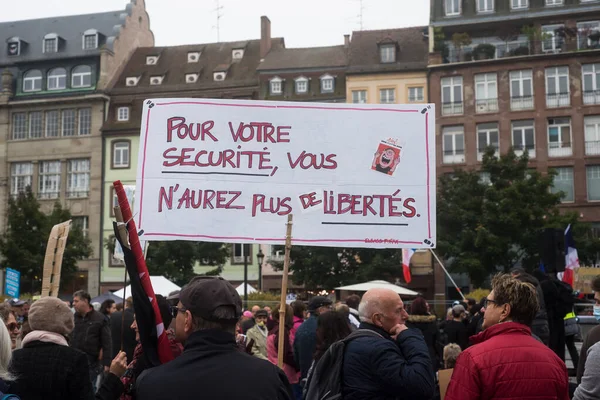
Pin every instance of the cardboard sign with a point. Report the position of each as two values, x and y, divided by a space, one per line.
583 279
352 175
57 241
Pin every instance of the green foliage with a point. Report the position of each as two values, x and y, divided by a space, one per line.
23 245
461 39
478 294
484 51
263 299
484 228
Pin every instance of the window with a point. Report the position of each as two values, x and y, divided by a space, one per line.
554 2
14 46
275 86
68 122
57 79
452 92
387 53
559 137
239 251
454 144
452 7
81 76
32 81
52 123
485 6
90 40
78 178
123 114
552 42
49 179
563 182
85 121
415 94
237 54
120 154
21 175
521 90
487 136
588 35
301 85
327 84
51 45
557 87
519 4
387 96
591 83
592 135
359 96
593 182
523 137
35 124
486 93
82 223
19 121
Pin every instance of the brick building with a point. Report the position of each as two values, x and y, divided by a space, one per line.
52 106
522 74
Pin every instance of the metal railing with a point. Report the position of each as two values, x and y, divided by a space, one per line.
591 97
562 149
454 156
486 105
48 195
592 147
558 100
454 108
76 194
521 103
519 150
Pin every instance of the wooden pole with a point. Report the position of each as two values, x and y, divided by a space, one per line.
284 285
446 271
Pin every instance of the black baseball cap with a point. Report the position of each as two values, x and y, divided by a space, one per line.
204 294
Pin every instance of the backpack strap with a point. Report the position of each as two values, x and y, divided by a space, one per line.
361 333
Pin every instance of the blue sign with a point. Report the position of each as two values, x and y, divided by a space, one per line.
12 282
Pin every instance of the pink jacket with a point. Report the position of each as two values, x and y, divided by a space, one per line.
291 373
297 322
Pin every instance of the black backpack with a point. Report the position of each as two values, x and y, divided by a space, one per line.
325 379
566 298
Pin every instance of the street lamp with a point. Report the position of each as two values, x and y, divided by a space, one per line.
260 257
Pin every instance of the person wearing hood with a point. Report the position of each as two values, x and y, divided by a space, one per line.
505 361
258 334
299 314
421 319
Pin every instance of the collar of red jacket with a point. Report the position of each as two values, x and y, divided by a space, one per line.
502 328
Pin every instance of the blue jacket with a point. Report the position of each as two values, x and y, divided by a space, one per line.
381 368
305 343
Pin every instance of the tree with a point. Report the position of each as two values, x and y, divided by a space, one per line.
23 245
484 227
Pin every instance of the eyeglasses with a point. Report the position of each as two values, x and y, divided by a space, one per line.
175 310
12 326
487 301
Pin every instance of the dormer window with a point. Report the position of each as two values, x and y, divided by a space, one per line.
301 85
219 76
151 60
275 86
57 79
90 39
327 85
132 80
191 78
51 43
14 46
387 53
237 54
156 80
81 76
193 56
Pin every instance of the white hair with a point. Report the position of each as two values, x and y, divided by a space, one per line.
367 308
5 353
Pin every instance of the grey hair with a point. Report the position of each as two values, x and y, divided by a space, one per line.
367 308
226 315
5 353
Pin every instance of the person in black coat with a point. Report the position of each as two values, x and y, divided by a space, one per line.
46 368
456 329
123 319
420 319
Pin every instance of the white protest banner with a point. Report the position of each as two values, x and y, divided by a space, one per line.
353 175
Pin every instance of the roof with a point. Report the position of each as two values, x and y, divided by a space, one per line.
310 57
173 65
363 287
411 52
160 284
69 29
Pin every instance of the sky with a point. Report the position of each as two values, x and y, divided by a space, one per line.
303 23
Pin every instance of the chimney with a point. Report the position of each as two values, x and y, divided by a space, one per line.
346 40
265 36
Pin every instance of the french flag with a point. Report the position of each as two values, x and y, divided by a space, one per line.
571 257
406 256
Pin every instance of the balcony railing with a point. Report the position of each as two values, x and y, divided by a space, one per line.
77 194
558 100
481 152
519 150
521 103
592 147
591 97
454 156
455 108
486 105
588 41
562 149
48 195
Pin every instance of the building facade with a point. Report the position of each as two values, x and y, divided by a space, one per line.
522 74
217 70
53 104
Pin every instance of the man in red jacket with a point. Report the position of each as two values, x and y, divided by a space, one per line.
505 361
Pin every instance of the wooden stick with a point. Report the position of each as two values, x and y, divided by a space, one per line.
284 285
446 271
122 228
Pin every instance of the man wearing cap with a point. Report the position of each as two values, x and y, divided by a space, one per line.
259 333
211 365
18 307
305 341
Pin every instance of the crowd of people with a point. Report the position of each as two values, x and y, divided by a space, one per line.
363 348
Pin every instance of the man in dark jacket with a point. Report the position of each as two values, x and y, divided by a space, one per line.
207 313
305 340
91 335
593 335
539 326
392 364
121 321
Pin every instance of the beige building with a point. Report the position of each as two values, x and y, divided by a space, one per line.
52 107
